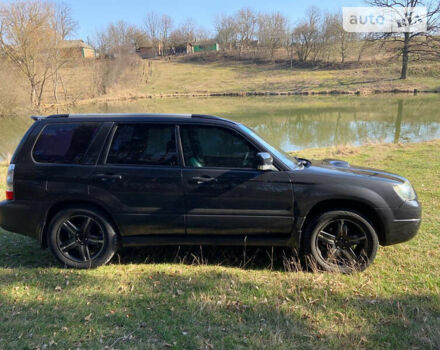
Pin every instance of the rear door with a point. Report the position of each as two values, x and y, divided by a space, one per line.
225 193
140 179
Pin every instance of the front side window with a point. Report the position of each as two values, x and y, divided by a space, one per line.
206 146
291 162
143 144
64 143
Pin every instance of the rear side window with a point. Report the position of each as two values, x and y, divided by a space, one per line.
64 143
143 144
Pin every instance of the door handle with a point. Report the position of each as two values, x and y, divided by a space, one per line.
203 179
104 177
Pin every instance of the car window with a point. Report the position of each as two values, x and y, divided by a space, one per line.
64 143
143 144
216 147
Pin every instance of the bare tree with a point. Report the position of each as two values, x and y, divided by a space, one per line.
246 23
119 39
138 38
272 31
290 46
116 46
412 43
306 36
29 39
65 25
158 29
226 31
152 26
165 27
334 34
188 32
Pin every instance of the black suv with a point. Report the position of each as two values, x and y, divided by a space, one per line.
84 185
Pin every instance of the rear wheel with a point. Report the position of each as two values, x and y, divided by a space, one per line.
82 238
340 241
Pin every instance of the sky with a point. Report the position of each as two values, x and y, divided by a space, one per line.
94 15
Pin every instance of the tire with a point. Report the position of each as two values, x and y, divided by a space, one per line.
340 241
82 238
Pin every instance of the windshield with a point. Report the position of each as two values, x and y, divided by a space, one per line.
282 156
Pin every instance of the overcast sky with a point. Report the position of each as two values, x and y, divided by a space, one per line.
93 15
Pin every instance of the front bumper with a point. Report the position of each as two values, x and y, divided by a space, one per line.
21 217
406 223
402 231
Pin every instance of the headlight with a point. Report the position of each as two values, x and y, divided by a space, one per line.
405 191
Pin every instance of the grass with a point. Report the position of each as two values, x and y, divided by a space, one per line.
163 77
217 76
205 299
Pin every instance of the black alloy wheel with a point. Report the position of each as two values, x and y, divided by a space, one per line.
82 237
341 241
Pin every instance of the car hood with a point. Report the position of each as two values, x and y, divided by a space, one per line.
334 167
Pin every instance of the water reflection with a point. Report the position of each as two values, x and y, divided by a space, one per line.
291 123
303 130
398 125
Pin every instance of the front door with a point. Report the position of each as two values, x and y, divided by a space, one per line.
225 193
140 180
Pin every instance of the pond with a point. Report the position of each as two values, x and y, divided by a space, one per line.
291 123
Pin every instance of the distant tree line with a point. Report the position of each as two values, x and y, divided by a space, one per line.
311 39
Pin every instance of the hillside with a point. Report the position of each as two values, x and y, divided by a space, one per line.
88 81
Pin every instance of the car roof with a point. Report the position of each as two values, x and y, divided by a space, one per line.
157 117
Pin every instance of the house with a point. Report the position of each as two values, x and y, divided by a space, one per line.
207 45
147 51
184 48
76 49
150 51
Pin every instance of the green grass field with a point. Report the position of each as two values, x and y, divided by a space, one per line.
223 299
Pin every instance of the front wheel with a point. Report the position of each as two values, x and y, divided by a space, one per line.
340 241
82 238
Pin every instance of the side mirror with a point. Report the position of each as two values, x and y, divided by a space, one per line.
265 162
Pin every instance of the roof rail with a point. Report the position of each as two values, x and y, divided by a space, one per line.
206 116
37 117
201 116
58 116
118 115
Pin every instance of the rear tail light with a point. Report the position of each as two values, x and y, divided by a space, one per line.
10 182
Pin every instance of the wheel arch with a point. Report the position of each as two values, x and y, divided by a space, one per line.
375 219
56 207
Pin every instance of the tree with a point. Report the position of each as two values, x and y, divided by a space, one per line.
188 32
29 37
226 31
411 43
307 36
165 27
246 24
335 34
152 24
119 39
272 31
158 29
65 25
